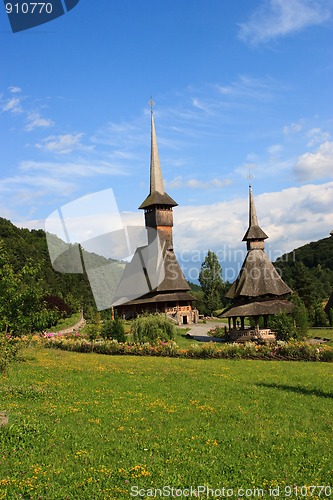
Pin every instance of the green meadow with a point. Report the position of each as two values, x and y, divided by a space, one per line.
89 426
321 333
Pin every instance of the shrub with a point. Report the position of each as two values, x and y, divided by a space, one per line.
326 354
92 330
284 326
152 328
113 329
218 331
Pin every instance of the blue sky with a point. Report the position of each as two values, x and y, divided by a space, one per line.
238 86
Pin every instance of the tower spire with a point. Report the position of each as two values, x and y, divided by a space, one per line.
157 195
156 179
253 219
254 232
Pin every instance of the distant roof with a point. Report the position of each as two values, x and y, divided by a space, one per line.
258 277
254 231
258 308
153 298
157 195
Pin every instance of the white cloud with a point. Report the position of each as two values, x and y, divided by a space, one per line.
123 155
124 134
178 182
199 104
316 136
293 128
73 169
64 144
39 184
276 18
44 185
35 120
317 165
15 90
13 105
271 166
248 86
274 150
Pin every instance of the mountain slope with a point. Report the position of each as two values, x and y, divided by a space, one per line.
308 270
23 245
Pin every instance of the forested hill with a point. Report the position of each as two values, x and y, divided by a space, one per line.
23 246
308 270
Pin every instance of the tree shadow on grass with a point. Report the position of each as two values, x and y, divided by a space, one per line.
298 390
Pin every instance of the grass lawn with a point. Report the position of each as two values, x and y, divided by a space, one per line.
88 426
180 338
322 333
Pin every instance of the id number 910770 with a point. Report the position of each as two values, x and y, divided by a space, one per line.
29 8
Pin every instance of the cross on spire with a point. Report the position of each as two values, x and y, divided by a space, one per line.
250 176
151 104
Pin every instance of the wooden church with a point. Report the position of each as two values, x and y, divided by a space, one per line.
153 281
259 290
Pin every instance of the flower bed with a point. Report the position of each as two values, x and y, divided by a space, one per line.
292 350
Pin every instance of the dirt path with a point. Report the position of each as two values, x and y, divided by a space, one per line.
80 324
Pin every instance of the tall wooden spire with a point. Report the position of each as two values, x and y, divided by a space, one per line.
160 285
156 180
157 195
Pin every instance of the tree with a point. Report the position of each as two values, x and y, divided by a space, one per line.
210 278
22 309
284 326
331 317
300 315
304 284
318 315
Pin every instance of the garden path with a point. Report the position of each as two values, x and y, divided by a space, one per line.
80 324
200 331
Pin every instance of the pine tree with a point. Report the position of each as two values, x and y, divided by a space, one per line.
210 279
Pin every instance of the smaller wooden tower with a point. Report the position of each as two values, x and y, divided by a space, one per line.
259 289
